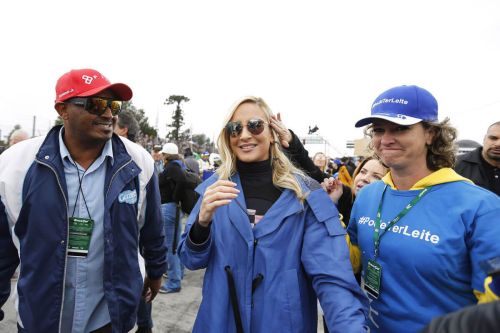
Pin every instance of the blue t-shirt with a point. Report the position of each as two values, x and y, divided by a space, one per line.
430 258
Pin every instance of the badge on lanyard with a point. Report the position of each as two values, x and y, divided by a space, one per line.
80 233
373 275
373 271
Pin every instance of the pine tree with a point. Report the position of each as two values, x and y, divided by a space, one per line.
175 135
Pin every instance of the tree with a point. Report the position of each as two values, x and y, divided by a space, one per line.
177 120
202 143
141 118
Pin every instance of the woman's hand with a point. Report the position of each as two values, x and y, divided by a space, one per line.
334 188
284 134
220 193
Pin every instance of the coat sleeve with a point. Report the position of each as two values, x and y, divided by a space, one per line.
152 235
300 158
194 256
8 257
344 304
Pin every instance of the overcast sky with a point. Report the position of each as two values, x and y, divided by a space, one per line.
317 62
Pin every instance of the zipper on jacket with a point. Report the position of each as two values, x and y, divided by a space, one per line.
113 177
109 187
67 240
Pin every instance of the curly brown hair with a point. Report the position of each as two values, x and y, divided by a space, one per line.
442 152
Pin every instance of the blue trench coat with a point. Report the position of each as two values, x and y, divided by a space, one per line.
298 250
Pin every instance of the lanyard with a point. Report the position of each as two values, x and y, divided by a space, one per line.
80 180
376 234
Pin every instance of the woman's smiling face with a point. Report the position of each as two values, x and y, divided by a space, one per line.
246 146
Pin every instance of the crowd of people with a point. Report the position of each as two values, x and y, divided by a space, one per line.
403 240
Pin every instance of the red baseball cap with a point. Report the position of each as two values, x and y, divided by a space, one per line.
88 82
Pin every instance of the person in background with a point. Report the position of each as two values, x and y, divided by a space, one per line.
207 169
423 230
343 174
369 170
172 184
191 162
270 232
127 126
320 160
349 163
158 159
17 136
331 167
69 216
482 165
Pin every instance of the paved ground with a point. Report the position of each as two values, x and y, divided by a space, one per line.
172 313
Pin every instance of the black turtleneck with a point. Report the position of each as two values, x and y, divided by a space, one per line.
259 191
257 183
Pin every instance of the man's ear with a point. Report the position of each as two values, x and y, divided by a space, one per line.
62 110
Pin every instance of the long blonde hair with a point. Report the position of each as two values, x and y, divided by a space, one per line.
284 172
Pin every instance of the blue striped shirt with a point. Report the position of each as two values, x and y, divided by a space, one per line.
84 306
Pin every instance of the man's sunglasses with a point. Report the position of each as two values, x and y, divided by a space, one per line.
254 126
97 105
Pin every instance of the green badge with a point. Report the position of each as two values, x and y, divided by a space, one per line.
373 274
80 232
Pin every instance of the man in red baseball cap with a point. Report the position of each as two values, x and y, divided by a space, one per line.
76 208
88 90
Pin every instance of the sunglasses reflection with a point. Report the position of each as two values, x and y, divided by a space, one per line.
254 126
97 105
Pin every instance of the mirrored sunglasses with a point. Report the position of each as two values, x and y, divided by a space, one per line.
254 126
97 105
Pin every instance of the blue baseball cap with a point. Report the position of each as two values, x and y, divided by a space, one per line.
403 105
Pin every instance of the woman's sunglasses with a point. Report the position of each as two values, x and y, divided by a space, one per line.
254 126
97 105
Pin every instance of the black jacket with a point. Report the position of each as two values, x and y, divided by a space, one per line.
482 318
470 166
300 158
172 183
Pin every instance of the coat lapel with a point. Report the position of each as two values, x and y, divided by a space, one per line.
237 211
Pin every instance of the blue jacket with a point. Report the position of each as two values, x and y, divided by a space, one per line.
298 253
34 223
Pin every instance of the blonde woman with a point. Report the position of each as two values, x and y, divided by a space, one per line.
269 239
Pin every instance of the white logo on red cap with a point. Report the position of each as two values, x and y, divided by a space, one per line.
88 79
66 92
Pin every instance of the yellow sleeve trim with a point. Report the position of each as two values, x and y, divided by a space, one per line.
355 256
488 295
354 252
